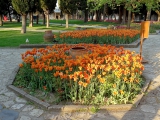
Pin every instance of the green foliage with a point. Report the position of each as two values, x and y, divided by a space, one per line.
48 5
68 6
34 5
94 109
3 6
98 40
15 38
151 4
153 27
95 4
21 6
82 5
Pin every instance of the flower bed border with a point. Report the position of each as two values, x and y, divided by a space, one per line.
71 108
131 45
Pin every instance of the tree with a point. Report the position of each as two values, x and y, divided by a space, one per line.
17 15
3 9
48 6
9 9
95 5
151 5
158 13
68 7
32 8
38 11
22 7
82 5
132 6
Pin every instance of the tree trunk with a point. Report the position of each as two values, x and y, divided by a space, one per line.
86 16
9 13
23 30
73 16
37 19
104 12
98 15
120 14
76 15
18 18
133 17
158 17
114 17
92 14
129 19
124 16
44 19
66 20
148 17
10 18
1 22
30 19
82 15
47 18
158 13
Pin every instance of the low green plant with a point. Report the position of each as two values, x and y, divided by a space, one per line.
94 109
106 75
153 27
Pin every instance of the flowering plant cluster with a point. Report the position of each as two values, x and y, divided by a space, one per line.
104 75
99 36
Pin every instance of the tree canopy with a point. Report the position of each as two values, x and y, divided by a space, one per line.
3 9
22 6
69 6
48 5
3 6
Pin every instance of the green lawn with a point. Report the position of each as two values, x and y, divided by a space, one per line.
15 38
11 25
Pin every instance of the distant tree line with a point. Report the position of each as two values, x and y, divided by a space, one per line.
126 9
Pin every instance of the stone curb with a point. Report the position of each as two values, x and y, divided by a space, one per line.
23 93
132 45
71 108
13 75
35 45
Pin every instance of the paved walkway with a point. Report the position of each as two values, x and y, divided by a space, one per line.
14 107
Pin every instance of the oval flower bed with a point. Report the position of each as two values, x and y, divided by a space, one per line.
99 36
104 75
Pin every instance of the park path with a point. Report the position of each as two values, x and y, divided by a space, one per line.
14 107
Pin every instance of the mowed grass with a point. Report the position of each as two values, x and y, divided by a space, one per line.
15 38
